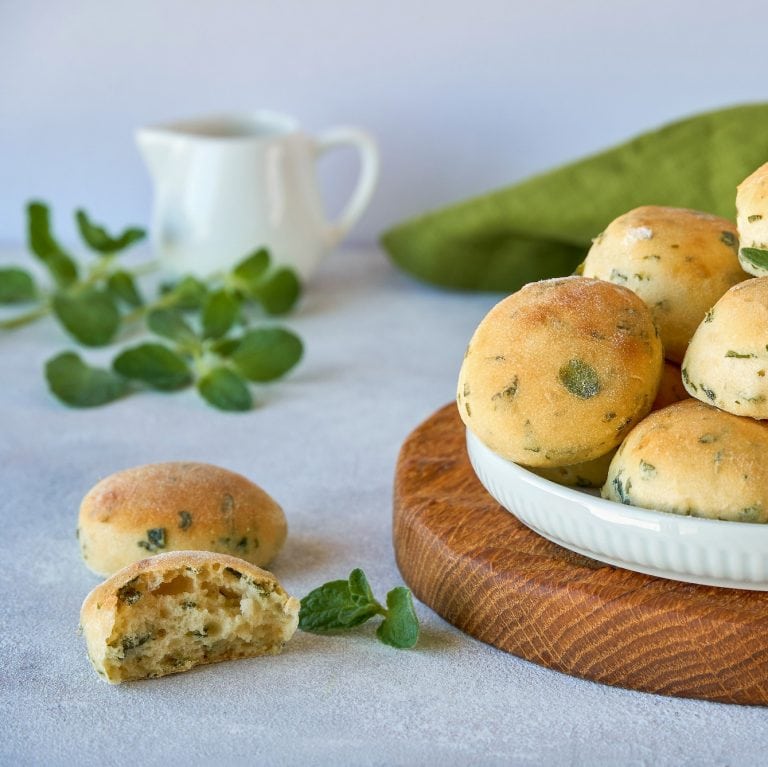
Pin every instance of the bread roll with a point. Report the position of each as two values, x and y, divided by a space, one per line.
588 474
678 261
173 611
690 458
177 506
727 361
752 221
557 373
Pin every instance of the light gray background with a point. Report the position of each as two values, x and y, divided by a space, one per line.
463 96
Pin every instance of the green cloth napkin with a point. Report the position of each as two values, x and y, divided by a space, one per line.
542 227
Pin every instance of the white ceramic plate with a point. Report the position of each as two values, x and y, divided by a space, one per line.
706 551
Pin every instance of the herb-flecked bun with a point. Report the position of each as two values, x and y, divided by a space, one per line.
752 221
173 611
727 361
177 506
587 474
678 261
671 387
557 373
690 458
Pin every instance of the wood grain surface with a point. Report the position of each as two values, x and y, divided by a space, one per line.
477 566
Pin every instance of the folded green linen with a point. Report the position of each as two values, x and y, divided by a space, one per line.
543 226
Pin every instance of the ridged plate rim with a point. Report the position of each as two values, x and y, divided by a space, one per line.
709 552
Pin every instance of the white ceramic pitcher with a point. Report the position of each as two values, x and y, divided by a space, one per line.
229 184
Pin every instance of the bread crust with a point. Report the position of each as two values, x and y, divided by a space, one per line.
752 219
516 387
99 609
727 361
177 506
691 458
679 261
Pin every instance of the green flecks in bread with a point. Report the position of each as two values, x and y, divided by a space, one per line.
687 380
155 540
757 257
580 379
185 520
729 239
710 394
707 439
508 393
740 355
648 469
618 277
709 316
754 217
128 593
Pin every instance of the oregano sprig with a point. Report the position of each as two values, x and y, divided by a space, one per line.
206 339
344 604
89 304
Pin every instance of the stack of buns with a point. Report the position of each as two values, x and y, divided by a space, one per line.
183 545
646 375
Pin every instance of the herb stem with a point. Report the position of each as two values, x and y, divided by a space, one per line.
24 319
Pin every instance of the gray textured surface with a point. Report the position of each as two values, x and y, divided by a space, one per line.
382 354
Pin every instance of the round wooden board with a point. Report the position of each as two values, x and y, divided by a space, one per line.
477 566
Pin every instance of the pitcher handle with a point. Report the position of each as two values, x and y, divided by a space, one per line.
366 182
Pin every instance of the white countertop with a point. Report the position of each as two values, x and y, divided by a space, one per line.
382 353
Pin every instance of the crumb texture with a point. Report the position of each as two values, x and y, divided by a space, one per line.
169 620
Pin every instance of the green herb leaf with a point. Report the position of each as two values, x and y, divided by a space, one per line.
359 588
250 271
279 291
123 287
401 626
267 353
580 379
59 263
225 389
331 607
98 239
344 604
755 256
89 315
79 385
16 286
155 365
225 346
220 311
169 323
187 295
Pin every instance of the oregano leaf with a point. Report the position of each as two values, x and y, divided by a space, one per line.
401 626
225 390
16 286
97 238
122 286
279 292
89 315
42 243
220 311
77 384
265 354
155 365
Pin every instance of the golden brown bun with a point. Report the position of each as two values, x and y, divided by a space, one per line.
690 458
727 361
177 506
588 474
752 221
173 611
678 261
671 388
557 373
